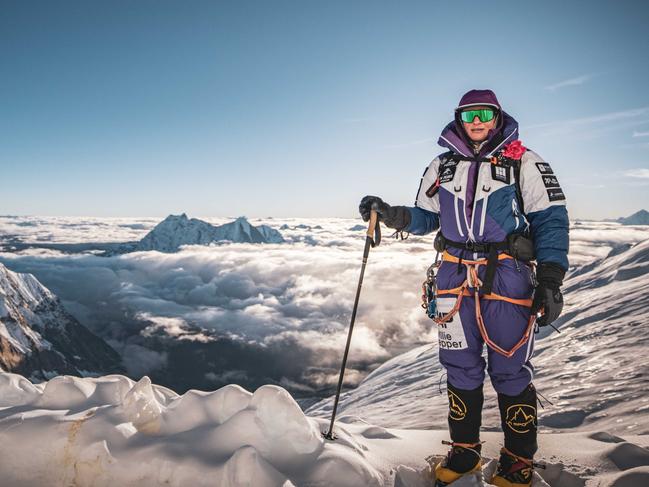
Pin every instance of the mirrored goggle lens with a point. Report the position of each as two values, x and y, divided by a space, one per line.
484 114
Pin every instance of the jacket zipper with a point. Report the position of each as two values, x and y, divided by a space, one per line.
475 192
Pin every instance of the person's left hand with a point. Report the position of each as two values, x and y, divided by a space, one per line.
547 294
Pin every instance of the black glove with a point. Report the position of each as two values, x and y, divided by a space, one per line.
547 294
397 217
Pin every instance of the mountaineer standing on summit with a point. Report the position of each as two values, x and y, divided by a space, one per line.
498 206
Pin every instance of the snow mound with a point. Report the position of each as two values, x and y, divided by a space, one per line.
111 431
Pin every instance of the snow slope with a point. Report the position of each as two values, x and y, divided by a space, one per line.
604 337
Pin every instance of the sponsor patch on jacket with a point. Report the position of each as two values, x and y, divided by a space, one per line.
544 168
500 173
551 181
447 172
556 194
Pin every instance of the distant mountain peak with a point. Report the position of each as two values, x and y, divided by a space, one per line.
638 218
243 221
173 218
177 230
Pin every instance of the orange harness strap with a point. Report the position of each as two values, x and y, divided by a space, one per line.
473 281
451 258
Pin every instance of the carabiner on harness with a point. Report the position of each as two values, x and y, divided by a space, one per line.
429 289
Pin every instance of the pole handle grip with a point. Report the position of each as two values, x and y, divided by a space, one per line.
374 229
374 219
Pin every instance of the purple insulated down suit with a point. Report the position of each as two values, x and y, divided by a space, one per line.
473 201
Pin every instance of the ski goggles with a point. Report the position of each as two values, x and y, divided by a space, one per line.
484 114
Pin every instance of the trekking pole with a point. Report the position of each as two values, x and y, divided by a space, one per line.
372 239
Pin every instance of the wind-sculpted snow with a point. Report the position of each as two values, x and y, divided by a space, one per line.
111 431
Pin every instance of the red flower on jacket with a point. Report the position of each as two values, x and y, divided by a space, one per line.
514 150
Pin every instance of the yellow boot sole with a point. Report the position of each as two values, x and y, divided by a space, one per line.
446 475
498 481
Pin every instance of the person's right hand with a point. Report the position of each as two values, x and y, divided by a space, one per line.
397 217
375 203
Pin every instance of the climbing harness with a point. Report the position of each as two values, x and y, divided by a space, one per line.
517 246
472 286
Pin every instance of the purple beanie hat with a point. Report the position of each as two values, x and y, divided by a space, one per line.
479 97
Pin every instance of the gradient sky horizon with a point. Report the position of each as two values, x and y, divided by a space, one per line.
215 108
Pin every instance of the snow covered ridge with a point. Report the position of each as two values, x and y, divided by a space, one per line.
177 230
111 431
39 338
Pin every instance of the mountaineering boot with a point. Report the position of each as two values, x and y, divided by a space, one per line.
513 471
464 413
519 421
462 459
464 420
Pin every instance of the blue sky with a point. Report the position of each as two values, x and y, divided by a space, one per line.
274 108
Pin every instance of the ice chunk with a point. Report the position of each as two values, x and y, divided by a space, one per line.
141 408
287 431
111 389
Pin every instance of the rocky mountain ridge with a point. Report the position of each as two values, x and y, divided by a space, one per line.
40 339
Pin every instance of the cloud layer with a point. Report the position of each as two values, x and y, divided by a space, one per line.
258 313
278 299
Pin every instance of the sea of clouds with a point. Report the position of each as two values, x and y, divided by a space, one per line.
280 312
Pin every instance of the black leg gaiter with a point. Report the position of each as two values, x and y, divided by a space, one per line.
464 414
519 421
